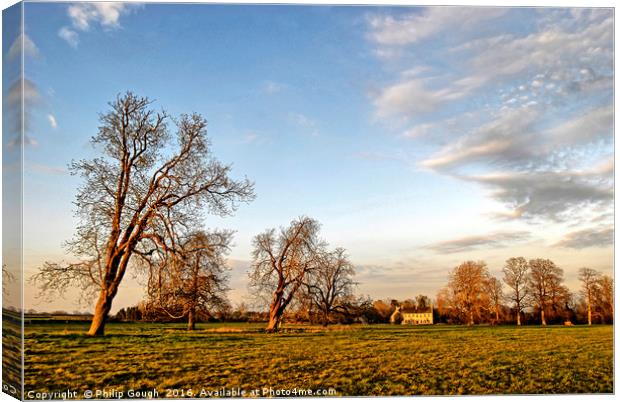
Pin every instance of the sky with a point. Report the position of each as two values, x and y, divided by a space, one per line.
420 137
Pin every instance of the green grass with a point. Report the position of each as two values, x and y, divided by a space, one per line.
357 360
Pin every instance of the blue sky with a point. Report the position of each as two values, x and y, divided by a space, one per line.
418 137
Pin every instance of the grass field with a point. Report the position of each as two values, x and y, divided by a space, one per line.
357 360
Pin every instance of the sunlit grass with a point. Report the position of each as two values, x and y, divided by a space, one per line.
358 360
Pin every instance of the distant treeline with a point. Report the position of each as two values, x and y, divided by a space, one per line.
530 292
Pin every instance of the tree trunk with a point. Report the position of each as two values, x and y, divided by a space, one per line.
325 318
542 317
589 314
115 270
274 320
471 318
275 313
191 319
518 318
497 314
102 309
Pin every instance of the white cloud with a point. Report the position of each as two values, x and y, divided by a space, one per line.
84 16
69 35
52 120
413 98
107 14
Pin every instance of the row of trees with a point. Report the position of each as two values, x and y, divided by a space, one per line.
292 267
141 205
473 295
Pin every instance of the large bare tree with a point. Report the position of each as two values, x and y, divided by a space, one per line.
544 284
282 260
330 286
467 289
516 273
146 184
589 280
193 279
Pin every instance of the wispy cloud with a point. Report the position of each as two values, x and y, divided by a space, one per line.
425 23
305 122
469 243
556 196
378 156
52 121
503 141
272 87
592 237
69 35
41 168
250 137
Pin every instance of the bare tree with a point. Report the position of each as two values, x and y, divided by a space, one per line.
516 277
331 284
561 298
495 293
7 277
604 295
194 280
146 185
467 288
443 301
589 279
282 260
543 283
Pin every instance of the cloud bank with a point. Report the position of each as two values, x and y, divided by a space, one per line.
524 110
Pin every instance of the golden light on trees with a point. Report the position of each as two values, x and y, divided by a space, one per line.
144 191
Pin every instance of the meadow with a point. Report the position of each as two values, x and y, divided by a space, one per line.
349 360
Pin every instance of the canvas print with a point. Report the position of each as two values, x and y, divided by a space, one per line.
234 200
